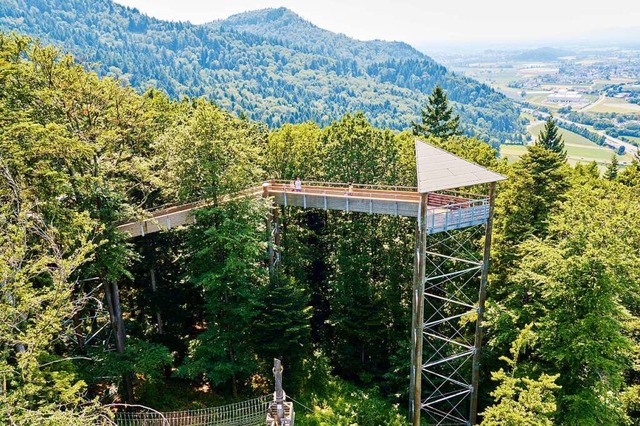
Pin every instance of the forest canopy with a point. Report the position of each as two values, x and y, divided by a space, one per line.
192 318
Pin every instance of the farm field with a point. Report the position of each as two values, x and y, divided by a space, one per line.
512 152
615 105
579 149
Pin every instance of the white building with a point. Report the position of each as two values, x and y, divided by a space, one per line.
565 97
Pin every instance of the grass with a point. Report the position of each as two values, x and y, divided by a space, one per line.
512 152
579 149
615 105
529 116
634 138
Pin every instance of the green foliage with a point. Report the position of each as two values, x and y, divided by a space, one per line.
80 148
146 359
227 249
37 385
612 169
344 405
283 329
294 150
355 151
437 117
521 400
630 176
209 155
551 139
534 190
579 284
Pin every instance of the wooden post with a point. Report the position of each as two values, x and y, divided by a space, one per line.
270 253
482 296
417 320
279 395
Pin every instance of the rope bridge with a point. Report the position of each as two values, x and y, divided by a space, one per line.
246 413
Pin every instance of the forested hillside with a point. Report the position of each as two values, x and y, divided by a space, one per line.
269 65
192 318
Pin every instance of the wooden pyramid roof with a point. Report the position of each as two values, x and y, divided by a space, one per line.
439 170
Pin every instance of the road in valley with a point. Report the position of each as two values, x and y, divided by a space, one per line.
615 142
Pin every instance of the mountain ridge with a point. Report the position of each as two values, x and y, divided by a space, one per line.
281 23
270 65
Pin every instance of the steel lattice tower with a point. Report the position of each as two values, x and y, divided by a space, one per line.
449 292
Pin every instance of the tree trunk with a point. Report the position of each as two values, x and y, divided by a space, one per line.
154 289
112 295
234 386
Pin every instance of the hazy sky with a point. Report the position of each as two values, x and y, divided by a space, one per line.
422 22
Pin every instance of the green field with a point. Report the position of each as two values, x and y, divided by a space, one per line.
615 105
512 152
634 138
579 149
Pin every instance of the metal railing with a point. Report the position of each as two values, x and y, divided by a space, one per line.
346 185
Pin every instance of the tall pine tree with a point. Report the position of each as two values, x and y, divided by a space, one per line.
551 139
437 117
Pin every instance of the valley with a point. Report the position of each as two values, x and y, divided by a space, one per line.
594 88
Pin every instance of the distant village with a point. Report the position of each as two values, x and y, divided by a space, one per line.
594 92
579 75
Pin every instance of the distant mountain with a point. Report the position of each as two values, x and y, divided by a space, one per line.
543 54
269 64
284 25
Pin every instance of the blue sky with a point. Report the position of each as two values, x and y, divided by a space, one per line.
421 22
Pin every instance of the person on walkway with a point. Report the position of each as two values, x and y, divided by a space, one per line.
350 189
298 184
292 186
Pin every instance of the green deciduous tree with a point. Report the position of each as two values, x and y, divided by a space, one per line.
210 155
228 253
437 117
294 150
39 384
580 285
630 176
81 146
354 150
521 400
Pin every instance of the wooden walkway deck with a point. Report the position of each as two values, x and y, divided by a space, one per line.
446 211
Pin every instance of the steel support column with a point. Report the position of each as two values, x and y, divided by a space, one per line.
449 293
417 321
482 297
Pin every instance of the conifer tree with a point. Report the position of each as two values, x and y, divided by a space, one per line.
437 117
612 169
551 139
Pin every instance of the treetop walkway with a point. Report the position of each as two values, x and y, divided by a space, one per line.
444 292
